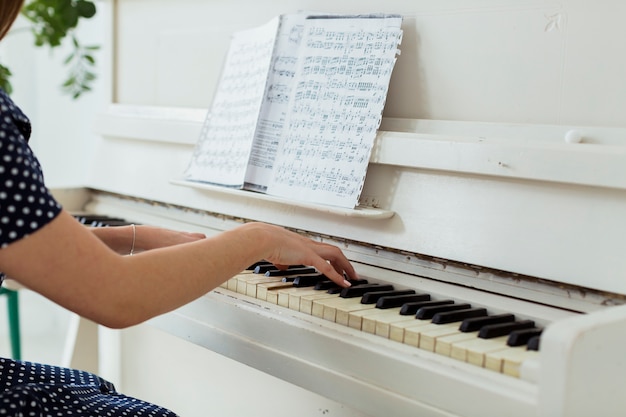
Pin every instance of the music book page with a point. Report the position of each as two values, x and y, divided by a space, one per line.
275 109
318 107
223 150
344 69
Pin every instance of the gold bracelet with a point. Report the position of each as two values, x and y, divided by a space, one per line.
132 247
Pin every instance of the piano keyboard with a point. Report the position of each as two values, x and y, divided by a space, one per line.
498 342
95 220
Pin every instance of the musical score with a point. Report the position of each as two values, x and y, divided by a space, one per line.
318 108
223 149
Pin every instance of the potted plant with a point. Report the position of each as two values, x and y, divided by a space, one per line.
52 22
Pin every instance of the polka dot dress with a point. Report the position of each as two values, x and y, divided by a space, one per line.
30 389
26 205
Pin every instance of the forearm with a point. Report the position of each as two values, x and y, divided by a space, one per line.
179 274
138 238
119 238
80 273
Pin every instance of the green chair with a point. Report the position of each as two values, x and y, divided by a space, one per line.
14 320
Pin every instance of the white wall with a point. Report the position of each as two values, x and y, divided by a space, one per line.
62 127
62 139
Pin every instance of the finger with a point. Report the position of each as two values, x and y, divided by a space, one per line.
337 259
328 270
345 270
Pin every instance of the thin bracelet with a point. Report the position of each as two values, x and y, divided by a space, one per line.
132 248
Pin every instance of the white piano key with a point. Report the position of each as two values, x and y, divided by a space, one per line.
294 294
378 321
429 334
267 291
474 351
307 301
444 344
509 361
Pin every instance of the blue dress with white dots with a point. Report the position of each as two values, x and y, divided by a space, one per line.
26 205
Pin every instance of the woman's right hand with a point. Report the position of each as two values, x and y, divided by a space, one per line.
284 248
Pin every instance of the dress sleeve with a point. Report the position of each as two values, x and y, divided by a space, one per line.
26 204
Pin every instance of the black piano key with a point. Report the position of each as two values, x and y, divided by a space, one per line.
106 223
359 290
95 218
290 271
308 280
374 296
426 313
254 265
458 315
474 324
411 308
337 289
495 330
95 223
333 288
533 343
325 285
521 337
262 269
398 300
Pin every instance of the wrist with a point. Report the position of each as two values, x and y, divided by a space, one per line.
256 238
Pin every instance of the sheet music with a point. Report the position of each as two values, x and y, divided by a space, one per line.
223 149
275 107
343 71
298 106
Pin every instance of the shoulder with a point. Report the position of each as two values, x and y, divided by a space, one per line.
13 122
25 203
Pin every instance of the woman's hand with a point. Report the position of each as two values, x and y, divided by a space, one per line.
276 244
286 248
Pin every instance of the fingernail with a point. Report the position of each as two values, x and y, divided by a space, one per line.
347 283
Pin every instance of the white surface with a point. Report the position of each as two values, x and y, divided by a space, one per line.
571 384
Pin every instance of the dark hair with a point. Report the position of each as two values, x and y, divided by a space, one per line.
9 9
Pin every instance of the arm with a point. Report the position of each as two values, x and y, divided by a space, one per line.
120 238
68 264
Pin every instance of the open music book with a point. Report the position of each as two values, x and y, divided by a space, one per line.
297 107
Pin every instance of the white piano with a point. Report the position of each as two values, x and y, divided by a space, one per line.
498 179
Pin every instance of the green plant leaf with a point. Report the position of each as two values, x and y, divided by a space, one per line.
5 75
86 9
51 23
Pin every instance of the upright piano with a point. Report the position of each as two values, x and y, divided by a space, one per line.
498 180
